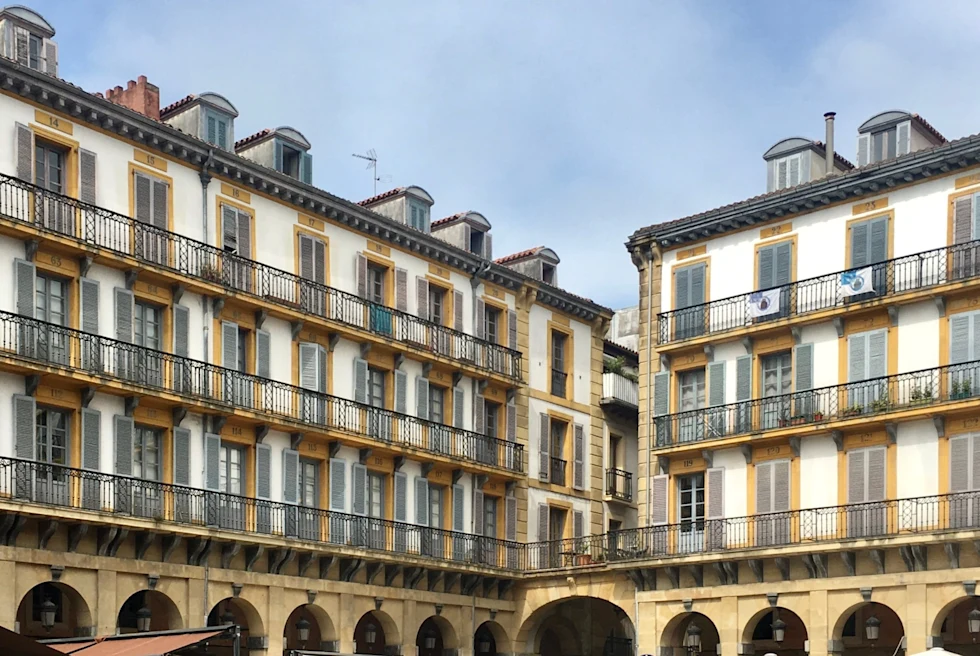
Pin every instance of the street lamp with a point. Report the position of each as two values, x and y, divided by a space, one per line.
871 626
778 630
48 610
143 617
973 621
484 646
370 634
692 640
228 617
430 641
303 630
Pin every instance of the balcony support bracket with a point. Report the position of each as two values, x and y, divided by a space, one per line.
260 432
279 558
364 454
349 567
131 275
372 570
663 463
198 550
46 530
848 557
509 488
719 568
411 577
709 458
914 557
56 572
782 564
797 334
747 344
503 585
488 585
457 474
30 384
392 571
794 445
940 424
260 317
75 534
398 461
295 439
88 393
143 541
177 290
664 362
132 402
326 562
746 453
709 352
106 535
426 468
84 264
252 555
218 422
228 551
217 305
839 326
170 544
673 573
303 563
151 580
30 249
332 339
891 431
435 575
294 328
893 315
178 415
819 563
773 599
755 564
481 480
333 448
970 588
838 437
636 576
457 377
940 304
878 558
365 349
468 583
426 368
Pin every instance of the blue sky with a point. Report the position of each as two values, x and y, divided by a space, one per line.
568 124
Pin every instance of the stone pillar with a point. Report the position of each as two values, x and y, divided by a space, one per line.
730 632
107 610
916 619
346 623
817 629
8 602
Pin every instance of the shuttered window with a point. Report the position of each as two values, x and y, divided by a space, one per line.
869 242
964 337
964 463
866 474
312 258
772 486
312 367
789 171
236 230
867 355
689 285
151 202
775 265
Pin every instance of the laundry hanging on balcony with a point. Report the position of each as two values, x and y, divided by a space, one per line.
860 281
762 304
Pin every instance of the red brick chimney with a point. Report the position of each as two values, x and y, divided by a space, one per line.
139 96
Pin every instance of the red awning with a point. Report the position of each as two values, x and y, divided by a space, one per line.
14 644
135 644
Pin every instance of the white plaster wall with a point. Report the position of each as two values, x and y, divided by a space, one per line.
536 497
917 459
736 480
538 407
823 336
539 359
918 336
818 472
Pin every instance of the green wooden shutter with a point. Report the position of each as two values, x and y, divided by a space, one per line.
212 130
698 291
263 346
306 266
229 228
661 393
716 383
263 471
161 215
222 134
306 168
767 267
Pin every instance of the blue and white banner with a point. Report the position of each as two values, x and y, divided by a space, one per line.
856 282
762 304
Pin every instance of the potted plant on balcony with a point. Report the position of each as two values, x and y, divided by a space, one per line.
880 405
853 410
922 396
818 415
797 420
210 272
961 389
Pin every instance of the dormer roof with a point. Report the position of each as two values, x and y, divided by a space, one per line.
283 132
30 17
411 190
541 251
792 145
211 98
894 116
471 217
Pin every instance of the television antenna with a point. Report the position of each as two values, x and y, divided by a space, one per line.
372 163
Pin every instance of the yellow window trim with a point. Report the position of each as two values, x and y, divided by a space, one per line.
219 233
768 243
319 236
151 173
569 359
706 261
60 139
890 214
389 266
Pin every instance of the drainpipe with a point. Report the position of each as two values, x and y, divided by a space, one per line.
829 141
205 176
648 257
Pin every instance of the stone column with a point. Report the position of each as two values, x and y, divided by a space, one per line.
730 632
916 619
8 602
107 612
346 624
817 630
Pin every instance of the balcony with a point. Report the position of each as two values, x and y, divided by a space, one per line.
558 471
619 390
825 407
559 380
91 226
42 484
619 484
882 519
25 340
896 278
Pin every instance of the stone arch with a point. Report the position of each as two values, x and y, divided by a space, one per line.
164 614
851 636
759 631
957 636
592 621
450 640
322 636
676 630
500 639
384 625
73 616
245 614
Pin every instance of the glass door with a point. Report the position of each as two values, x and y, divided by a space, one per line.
49 174
690 500
777 385
147 446
51 480
147 331
691 424
309 499
48 342
376 510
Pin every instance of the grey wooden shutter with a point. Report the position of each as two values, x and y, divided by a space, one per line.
25 277
857 346
578 455
263 471
123 430
307 268
963 219
421 397
478 512
697 284
510 518
512 422
903 132
182 323
212 461
161 215
715 478
480 320
124 303
863 149
421 501
960 338
277 156
25 153
263 347
309 377
360 380
244 234
767 267
878 354
338 485
86 176
229 345
479 414
25 409
91 439
770 176
422 297
780 486
319 262
401 289
458 310
716 383
229 228
578 524
876 474
959 463
306 168
459 399
143 198
878 240
359 484
804 166
661 393
182 456
401 496
458 502
543 517
859 245
544 448
763 488
401 392
855 476
682 288
212 130
804 366
89 291
512 328
794 171
743 378
360 273
782 174
783 263
22 46
488 246
658 499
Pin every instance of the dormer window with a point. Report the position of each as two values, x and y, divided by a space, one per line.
217 130
892 134
548 273
884 144
291 159
26 38
476 242
418 215
35 58
789 171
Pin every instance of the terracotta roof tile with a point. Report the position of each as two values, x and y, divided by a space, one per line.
439 222
837 157
388 194
172 107
255 137
924 123
520 255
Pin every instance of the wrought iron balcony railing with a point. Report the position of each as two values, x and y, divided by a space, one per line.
557 471
48 344
890 278
559 381
65 487
619 484
868 398
95 226
932 514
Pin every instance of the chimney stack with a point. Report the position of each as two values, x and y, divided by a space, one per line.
829 141
139 96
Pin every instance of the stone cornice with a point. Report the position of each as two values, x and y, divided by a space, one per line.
100 113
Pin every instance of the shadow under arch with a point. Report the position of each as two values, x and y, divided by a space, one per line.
321 633
164 614
851 630
763 629
378 625
594 624
72 614
447 634
496 638
676 631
